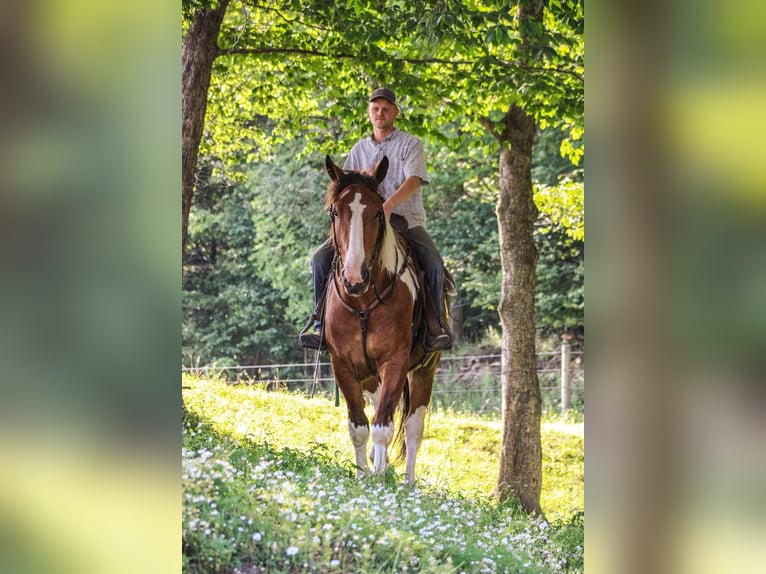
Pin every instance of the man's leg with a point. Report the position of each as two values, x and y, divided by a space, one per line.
321 262
433 266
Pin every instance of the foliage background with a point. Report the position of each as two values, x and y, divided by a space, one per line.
247 284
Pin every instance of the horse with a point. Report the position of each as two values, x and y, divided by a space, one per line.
370 301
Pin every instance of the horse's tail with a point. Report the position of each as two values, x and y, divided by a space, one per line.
399 445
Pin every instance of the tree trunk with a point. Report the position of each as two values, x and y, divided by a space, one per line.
520 473
200 49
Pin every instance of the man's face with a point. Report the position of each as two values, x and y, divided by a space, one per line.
382 113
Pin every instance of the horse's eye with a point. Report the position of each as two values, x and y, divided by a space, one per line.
381 215
333 212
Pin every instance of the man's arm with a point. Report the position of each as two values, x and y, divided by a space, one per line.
405 191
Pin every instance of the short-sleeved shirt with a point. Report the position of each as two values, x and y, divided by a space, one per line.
406 158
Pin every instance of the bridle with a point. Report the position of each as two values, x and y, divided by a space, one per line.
337 263
337 267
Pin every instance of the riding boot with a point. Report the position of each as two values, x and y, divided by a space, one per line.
437 336
438 339
321 262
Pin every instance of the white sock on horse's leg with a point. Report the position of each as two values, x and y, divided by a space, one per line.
413 436
381 438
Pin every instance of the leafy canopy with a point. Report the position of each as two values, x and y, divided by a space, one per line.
290 67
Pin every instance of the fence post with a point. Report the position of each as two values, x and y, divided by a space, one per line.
566 350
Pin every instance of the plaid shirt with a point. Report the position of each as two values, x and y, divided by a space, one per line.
406 158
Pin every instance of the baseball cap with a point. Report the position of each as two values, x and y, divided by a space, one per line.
384 93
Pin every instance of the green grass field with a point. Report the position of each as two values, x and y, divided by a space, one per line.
269 486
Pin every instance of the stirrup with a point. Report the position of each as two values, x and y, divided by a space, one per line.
312 341
440 342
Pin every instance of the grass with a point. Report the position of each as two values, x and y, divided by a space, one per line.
269 487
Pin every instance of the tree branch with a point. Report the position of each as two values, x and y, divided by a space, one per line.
339 55
491 128
284 18
298 51
414 61
532 69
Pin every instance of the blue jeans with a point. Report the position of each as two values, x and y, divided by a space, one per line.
425 251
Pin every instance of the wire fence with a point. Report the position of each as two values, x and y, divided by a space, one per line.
465 383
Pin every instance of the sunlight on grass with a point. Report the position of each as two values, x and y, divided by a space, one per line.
269 486
459 452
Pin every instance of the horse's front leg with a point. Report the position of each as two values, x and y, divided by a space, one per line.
358 425
392 376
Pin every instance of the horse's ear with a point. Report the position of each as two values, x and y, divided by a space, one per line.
381 169
333 170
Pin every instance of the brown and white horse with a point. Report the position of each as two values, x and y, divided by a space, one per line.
371 296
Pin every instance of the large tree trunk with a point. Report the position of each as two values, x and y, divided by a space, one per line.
520 473
200 49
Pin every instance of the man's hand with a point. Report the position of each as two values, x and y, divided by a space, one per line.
405 191
388 208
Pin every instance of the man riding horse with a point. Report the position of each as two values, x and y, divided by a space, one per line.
401 189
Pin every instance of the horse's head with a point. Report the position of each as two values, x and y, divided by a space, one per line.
356 208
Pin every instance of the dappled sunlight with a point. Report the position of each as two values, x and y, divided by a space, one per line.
459 453
274 508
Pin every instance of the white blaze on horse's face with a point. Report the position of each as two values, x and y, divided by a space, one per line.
355 273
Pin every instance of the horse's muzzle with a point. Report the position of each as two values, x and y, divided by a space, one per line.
359 288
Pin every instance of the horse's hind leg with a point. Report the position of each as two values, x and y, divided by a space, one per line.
421 383
381 434
371 389
413 436
359 436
